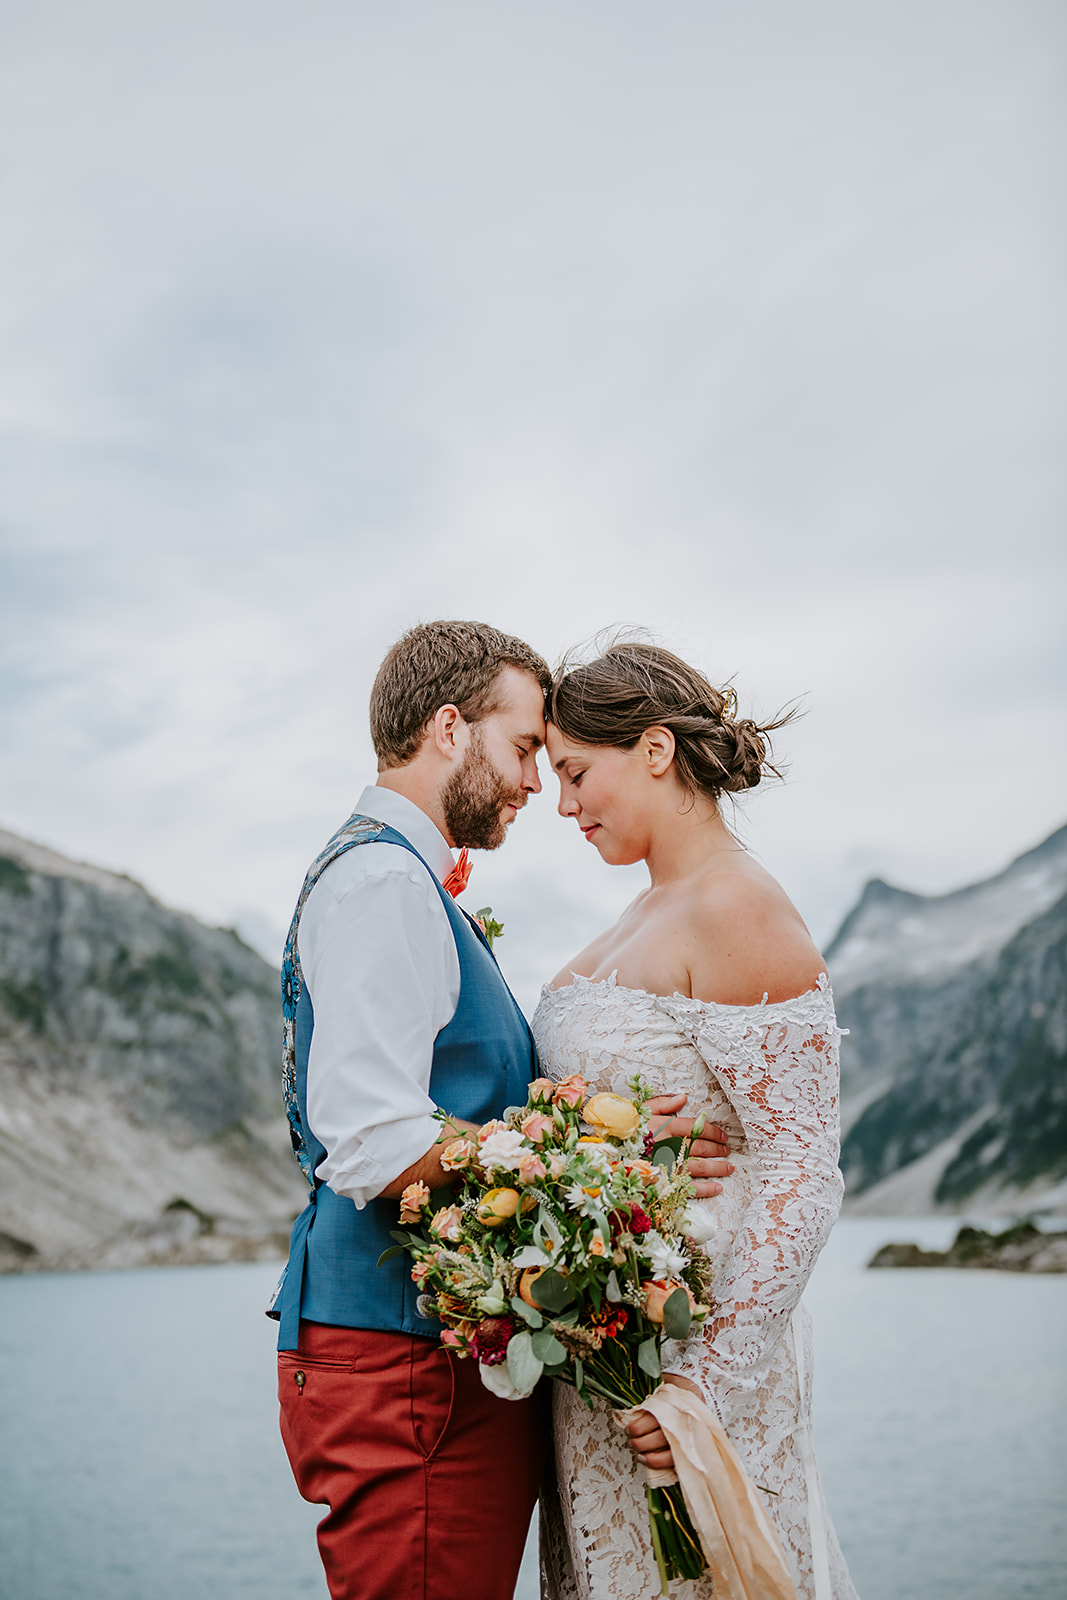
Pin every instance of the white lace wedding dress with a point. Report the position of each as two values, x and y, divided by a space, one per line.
769 1075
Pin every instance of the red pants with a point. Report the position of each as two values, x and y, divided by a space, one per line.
430 1479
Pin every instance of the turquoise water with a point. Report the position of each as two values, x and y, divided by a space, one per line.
139 1458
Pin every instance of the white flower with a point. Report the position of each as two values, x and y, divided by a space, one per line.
498 1381
492 1302
576 1197
505 1148
531 1256
699 1223
667 1260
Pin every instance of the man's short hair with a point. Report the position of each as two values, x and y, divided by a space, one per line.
439 664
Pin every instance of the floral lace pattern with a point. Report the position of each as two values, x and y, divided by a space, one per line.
768 1075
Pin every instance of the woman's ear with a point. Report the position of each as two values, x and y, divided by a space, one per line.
657 748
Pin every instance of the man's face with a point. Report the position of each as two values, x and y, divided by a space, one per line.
485 795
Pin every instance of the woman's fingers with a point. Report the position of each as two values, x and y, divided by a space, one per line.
649 1442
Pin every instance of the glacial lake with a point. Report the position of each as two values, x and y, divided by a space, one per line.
140 1459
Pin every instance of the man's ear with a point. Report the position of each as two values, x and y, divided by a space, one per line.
657 748
450 732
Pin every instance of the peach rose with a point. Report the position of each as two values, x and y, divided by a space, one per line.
531 1167
535 1126
541 1089
457 1154
597 1246
447 1223
658 1292
413 1200
493 1126
570 1091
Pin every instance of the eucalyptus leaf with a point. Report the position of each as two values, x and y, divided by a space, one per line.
647 1357
579 1373
677 1315
663 1156
524 1369
552 1291
400 1237
547 1348
614 1293
527 1313
387 1255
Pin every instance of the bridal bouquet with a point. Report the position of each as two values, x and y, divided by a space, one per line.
567 1251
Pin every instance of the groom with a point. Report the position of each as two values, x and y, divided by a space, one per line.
394 1006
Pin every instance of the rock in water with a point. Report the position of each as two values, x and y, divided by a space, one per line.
1022 1248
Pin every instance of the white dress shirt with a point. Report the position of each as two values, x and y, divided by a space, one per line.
379 960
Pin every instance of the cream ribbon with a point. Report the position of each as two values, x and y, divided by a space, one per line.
740 1545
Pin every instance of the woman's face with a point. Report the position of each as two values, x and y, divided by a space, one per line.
608 792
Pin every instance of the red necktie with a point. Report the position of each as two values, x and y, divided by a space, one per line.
458 878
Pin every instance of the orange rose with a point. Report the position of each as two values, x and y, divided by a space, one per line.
528 1279
657 1294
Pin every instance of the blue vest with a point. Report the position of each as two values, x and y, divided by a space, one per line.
483 1061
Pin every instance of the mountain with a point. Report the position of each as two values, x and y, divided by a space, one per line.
954 1074
140 1109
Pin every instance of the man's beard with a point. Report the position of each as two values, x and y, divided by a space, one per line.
474 798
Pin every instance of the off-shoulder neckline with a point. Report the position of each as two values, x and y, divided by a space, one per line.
821 990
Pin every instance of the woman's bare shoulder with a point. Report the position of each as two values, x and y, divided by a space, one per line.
746 939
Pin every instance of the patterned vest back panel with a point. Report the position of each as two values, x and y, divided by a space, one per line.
483 1061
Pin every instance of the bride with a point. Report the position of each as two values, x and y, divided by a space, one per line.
708 984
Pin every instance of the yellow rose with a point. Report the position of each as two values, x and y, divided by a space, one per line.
615 1116
496 1206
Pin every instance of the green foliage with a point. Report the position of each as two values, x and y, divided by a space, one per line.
546 1347
648 1357
552 1292
533 1318
523 1365
677 1315
14 878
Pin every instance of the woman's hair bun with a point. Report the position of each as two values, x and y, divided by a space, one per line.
633 685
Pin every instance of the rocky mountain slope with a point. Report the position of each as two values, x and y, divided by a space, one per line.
954 1076
140 1111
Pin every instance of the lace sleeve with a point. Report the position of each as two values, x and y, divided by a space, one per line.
778 1065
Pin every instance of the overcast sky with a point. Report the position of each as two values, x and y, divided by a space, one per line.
741 323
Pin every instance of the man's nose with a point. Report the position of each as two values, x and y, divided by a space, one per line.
532 784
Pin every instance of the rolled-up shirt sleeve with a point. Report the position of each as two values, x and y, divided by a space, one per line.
379 960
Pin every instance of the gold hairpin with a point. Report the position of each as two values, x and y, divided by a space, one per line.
729 704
